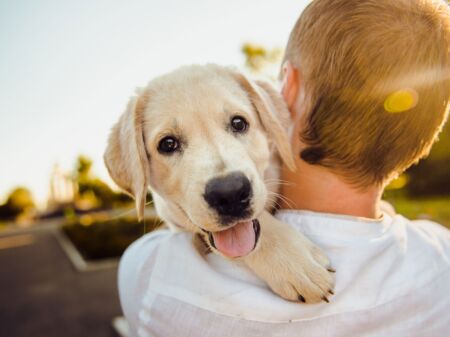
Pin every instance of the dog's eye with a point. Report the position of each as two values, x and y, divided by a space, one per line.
168 145
239 124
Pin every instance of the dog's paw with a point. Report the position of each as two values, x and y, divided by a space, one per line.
306 276
290 263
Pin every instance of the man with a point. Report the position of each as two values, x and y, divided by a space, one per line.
368 86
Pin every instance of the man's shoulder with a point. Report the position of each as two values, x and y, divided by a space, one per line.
422 248
430 227
137 265
144 248
426 227
146 243
428 233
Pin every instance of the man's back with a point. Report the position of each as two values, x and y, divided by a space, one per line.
393 279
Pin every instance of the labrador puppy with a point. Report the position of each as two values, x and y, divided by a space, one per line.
208 142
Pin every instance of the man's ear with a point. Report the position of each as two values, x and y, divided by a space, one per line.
272 112
290 86
125 157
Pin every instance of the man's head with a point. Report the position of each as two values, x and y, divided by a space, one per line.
369 84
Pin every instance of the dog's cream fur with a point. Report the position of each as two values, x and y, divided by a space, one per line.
196 103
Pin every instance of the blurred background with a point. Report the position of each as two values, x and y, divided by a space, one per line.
67 70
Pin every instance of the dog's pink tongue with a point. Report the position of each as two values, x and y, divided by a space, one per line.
237 241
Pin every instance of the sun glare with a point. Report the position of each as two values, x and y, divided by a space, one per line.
401 101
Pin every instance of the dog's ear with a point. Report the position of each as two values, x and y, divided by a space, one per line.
125 157
273 113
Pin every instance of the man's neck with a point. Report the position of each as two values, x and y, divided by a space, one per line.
315 188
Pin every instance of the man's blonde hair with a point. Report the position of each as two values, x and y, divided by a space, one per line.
357 57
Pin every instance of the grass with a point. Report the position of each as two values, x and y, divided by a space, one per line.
436 209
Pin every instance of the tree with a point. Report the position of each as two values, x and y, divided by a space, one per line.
92 191
261 60
18 202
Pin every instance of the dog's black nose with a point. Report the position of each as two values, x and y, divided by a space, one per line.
229 195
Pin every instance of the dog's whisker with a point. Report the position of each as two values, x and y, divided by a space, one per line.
278 182
122 214
271 183
289 202
274 201
159 222
277 179
131 210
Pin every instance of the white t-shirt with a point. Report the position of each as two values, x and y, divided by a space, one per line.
392 280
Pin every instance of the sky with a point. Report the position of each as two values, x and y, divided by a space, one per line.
67 68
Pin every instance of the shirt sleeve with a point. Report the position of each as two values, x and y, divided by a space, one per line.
134 270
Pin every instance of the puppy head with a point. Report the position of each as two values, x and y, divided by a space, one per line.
201 138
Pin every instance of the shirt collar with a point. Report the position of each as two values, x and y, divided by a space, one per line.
327 224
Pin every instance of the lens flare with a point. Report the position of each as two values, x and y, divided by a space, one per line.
401 100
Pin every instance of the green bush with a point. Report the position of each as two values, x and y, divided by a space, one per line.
431 177
107 239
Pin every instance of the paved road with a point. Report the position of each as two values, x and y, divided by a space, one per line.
42 295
